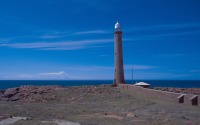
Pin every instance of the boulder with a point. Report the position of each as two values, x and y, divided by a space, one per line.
10 92
15 98
5 116
2 92
131 115
27 93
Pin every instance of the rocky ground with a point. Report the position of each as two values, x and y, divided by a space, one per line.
90 105
28 93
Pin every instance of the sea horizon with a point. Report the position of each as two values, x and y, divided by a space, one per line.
4 84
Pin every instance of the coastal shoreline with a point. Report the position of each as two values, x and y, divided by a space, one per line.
5 84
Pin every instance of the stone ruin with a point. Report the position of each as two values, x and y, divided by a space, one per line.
183 98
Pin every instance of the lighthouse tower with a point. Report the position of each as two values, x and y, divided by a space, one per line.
118 57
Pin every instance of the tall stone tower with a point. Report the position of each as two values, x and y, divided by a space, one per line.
118 57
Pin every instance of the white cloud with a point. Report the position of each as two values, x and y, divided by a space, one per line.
55 75
61 73
24 76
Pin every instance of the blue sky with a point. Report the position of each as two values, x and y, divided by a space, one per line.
73 39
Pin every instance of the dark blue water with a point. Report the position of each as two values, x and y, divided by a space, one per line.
154 83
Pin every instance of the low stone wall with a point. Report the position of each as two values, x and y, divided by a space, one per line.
162 94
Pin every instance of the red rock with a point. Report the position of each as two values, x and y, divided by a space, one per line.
10 92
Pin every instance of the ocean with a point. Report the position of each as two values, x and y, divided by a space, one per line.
4 84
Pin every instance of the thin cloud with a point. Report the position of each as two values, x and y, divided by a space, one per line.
102 55
92 32
49 36
24 76
65 48
89 68
160 36
174 55
195 71
139 67
61 73
103 68
175 34
4 40
59 34
54 34
181 25
179 29
100 5
165 26
39 76
159 75
62 45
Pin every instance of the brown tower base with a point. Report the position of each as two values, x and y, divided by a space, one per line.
114 85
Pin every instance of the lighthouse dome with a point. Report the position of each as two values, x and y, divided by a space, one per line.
117 27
